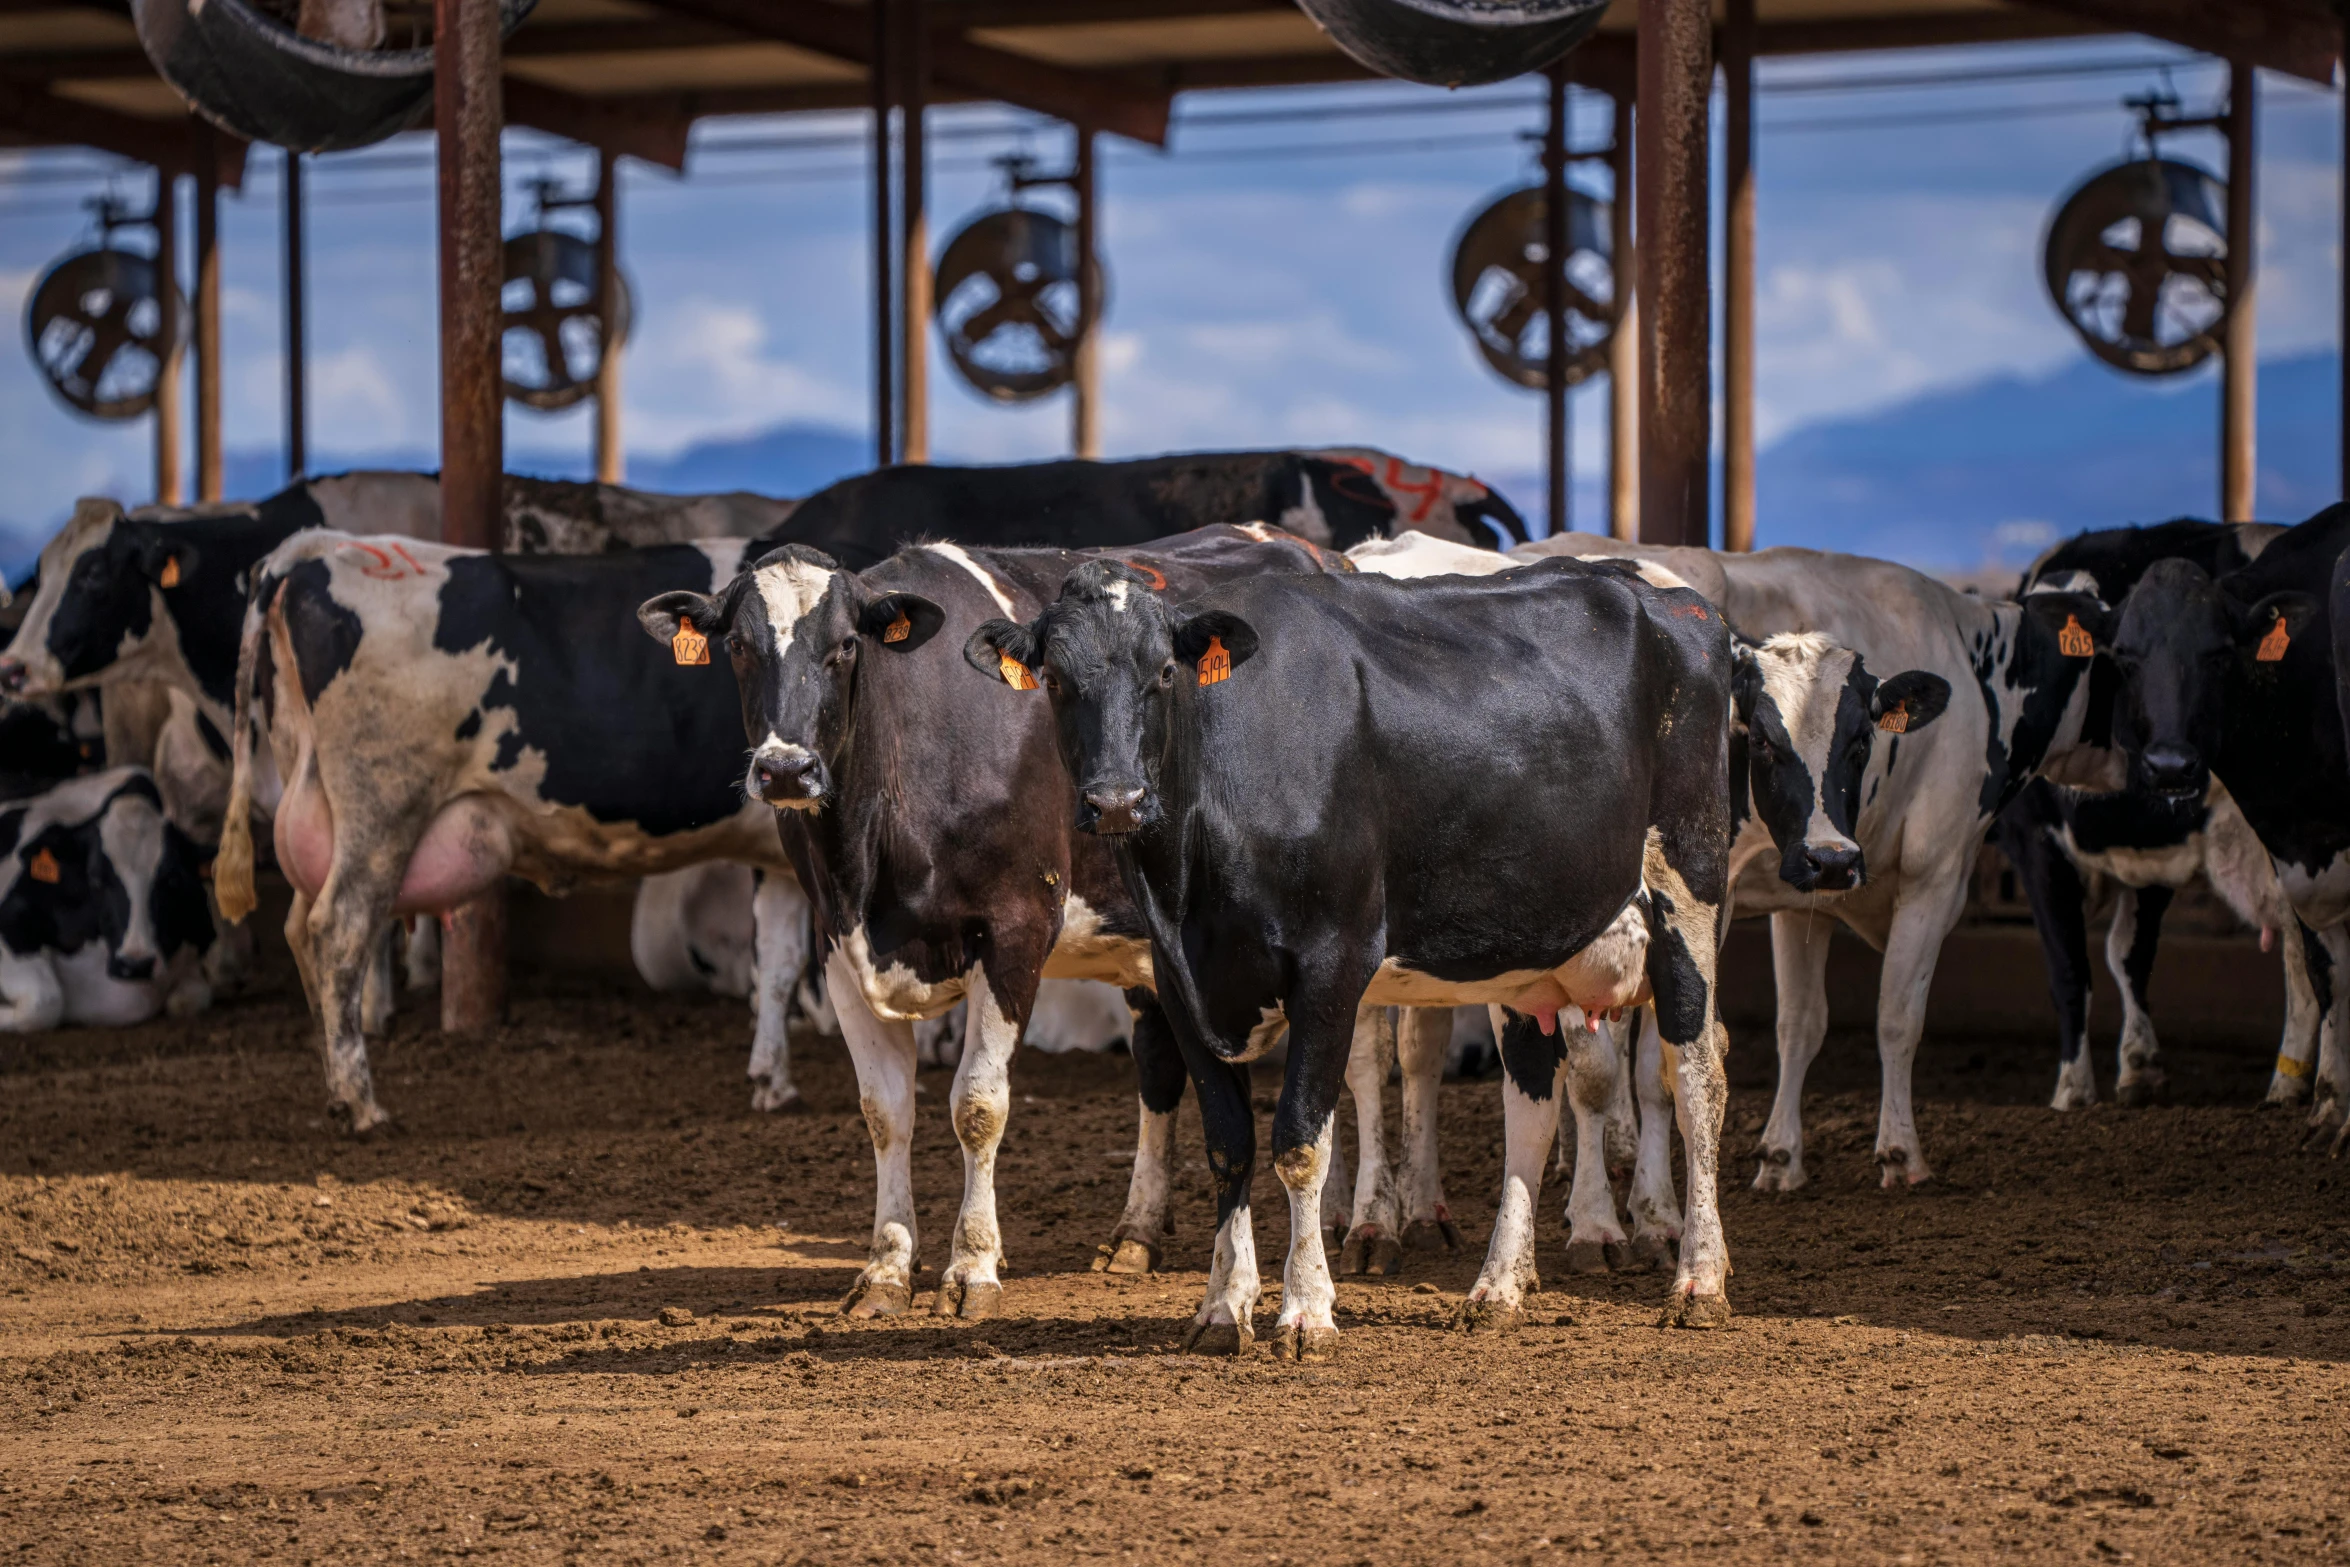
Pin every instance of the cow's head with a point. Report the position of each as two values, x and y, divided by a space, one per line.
2177 639
1113 658
121 876
1811 713
796 627
100 594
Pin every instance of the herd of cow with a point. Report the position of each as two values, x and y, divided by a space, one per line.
1302 751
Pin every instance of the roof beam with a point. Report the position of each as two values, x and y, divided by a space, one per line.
174 146
2264 33
1099 102
655 132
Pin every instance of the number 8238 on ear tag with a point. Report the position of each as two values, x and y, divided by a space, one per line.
689 646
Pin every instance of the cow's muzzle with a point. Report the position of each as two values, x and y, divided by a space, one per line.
1826 867
13 674
788 780
2173 770
1113 809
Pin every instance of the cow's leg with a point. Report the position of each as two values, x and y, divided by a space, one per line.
2059 901
1595 1236
228 964
2331 1101
375 994
1422 1041
1799 964
1138 1244
883 1054
32 997
347 925
2305 1010
1324 1013
1656 1207
981 1102
779 940
1619 1133
1920 923
1686 875
298 943
424 952
1222 1325
1370 1244
2129 952
1531 1062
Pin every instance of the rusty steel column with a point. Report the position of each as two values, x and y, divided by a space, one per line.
1676 342
1623 349
167 376
913 234
611 456
1554 298
297 333
1738 281
2240 361
208 461
468 112
885 397
1085 381
2342 349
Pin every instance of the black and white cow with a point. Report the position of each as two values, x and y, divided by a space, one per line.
2061 839
2237 678
103 918
929 823
1806 721
1331 794
2017 700
439 718
1332 498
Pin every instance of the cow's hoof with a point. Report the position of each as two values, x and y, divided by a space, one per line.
1304 1342
1386 1259
1490 1316
1127 1256
361 1121
1651 1252
968 1299
1587 1257
2341 1141
877 1298
1370 1251
1437 1234
2137 1092
1778 1170
1219 1338
768 1098
2284 1090
1898 1167
1692 1310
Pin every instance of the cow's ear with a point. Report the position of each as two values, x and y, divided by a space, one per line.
1216 642
2274 624
1004 650
2079 624
167 561
1745 679
1918 695
664 614
901 622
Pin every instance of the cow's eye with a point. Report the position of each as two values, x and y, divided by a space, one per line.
1047 678
736 645
1167 673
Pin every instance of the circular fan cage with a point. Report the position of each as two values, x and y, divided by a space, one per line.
1007 303
1497 286
2136 260
243 66
555 330
94 328
1456 43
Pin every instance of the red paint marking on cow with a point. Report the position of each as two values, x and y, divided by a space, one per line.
1156 577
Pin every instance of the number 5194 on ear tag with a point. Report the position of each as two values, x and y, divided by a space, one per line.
689 646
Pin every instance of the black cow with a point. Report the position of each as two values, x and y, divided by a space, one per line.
927 821
2236 678
1334 498
103 918
1330 794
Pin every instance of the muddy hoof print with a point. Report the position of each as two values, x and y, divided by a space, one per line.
1652 1252
1432 1235
1220 1338
867 1301
970 1302
1303 1344
1696 1311
1587 1257
1490 1316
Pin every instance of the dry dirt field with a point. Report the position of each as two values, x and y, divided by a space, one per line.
581 1308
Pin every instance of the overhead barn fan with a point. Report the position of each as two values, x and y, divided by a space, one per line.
1007 297
1455 43
94 324
2137 257
1497 287
557 328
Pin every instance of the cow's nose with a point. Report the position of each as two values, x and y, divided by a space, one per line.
123 966
1833 869
12 674
2174 769
1115 809
783 778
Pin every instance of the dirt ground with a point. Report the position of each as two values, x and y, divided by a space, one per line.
227 1334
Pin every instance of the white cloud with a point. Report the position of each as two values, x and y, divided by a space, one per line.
706 368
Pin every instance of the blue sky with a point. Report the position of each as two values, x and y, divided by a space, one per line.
1273 282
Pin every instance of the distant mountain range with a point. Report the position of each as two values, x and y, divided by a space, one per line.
1979 477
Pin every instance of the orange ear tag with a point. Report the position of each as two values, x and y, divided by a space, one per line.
2272 647
1894 720
169 576
1215 664
2075 642
899 629
43 867
1016 674
689 646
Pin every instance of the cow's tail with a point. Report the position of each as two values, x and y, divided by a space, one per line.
1171 975
232 869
